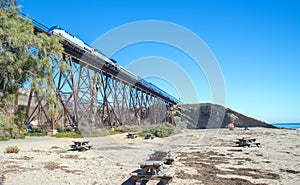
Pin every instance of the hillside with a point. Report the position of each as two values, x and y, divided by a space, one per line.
206 115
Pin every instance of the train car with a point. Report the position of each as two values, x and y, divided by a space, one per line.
160 91
108 62
56 30
128 73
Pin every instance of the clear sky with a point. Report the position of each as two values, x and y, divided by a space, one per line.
256 43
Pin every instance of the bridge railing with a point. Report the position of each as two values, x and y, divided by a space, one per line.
38 25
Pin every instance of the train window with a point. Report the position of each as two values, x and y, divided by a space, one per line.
114 61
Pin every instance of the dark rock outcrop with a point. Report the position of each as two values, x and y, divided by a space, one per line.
206 115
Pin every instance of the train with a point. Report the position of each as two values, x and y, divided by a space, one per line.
56 30
109 63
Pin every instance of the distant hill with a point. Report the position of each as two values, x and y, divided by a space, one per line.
206 115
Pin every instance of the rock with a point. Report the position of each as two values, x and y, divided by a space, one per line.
206 115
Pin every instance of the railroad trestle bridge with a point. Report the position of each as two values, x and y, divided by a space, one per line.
95 91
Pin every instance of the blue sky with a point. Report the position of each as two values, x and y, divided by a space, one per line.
256 43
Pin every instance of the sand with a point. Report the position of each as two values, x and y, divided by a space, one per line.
204 157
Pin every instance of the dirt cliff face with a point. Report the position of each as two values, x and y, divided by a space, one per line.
206 115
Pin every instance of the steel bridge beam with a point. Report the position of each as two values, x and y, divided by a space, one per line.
91 98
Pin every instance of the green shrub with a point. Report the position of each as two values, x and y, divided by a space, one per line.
4 139
4 135
97 134
143 134
163 130
113 132
36 133
12 149
21 136
70 134
10 128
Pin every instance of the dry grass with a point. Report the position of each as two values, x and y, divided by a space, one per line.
12 149
51 165
54 165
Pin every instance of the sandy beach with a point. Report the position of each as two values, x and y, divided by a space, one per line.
204 157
